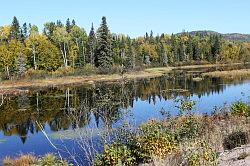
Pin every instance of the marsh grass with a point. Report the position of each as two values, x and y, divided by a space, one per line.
30 159
22 160
243 73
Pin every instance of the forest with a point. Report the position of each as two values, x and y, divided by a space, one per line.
67 48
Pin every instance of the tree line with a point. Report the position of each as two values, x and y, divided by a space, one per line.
24 47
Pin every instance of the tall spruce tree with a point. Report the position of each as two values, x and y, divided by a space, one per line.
130 58
151 38
216 47
163 59
103 53
73 23
68 25
15 32
24 32
91 45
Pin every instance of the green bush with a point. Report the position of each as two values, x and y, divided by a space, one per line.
240 108
115 154
51 160
154 140
150 140
189 128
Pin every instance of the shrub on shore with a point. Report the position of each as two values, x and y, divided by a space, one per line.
240 108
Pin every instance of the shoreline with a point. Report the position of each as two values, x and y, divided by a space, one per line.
12 87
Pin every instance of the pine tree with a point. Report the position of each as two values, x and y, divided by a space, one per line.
216 47
15 32
68 25
181 51
130 58
146 37
24 32
73 22
59 23
91 45
104 58
163 59
196 50
151 38
174 48
189 48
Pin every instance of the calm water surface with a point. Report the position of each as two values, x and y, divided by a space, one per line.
105 104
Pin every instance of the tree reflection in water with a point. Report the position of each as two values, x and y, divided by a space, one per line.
74 107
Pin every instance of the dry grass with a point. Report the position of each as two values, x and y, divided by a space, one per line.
244 73
208 65
69 80
22 160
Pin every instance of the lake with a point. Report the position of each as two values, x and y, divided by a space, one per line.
109 104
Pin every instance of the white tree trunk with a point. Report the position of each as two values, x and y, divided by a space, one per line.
34 56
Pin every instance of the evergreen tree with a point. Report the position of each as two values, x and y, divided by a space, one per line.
104 58
24 32
59 23
130 58
181 51
163 59
189 48
151 38
91 45
73 23
174 48
146 37
196 50
68 25
215 47
15 32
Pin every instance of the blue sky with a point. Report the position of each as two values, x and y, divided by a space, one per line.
135 17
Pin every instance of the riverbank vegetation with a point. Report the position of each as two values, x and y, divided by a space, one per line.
188 139
65 49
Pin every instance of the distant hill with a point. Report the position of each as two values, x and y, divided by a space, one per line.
228 36
237 37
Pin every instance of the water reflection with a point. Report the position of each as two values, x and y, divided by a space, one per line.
75 107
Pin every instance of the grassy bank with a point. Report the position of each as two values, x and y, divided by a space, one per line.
243 73
12 87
